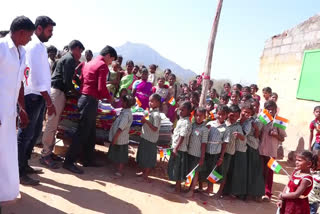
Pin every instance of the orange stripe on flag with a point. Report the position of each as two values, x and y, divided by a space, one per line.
265 111
282 119
270 162
138 102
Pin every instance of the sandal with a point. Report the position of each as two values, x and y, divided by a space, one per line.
47 161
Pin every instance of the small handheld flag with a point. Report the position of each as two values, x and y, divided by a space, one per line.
26 74
213 116
265 117
138 102
214 177
280 122
190 176
146 114
274 165
165 153
172 101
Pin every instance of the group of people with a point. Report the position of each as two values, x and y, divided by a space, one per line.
226 135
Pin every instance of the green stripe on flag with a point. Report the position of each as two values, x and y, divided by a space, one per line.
168 152
261 118
279 126
278 168
217 175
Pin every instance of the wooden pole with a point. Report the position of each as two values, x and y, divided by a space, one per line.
207 67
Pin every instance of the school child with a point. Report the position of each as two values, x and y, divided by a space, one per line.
197 147
237 87
216 147
227 88
267 91
246 90
274 98
174 91
209 111
270 138
254 89
233 135
314 196
235 98
294 198
117 102
147 150
152 75
237 179
214 96
136 73
119 135
315 125
177 166
163 91
194 99
193 86
246 98
224 99
255 171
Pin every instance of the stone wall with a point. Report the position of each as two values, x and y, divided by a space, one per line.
280 68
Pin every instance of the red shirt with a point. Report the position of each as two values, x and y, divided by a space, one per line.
94 79
315 125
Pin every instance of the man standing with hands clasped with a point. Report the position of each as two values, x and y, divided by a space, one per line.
37 89
12 68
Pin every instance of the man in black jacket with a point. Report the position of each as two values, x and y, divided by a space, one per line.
61 83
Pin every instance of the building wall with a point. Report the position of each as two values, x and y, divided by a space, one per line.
280 67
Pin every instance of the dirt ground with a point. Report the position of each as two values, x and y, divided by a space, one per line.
99 191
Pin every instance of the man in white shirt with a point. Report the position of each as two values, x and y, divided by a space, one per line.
37 89
12 67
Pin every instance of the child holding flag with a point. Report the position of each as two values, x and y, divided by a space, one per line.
233 134
119 134
174 93
162 90
255 171
147 150
315 125
237 181
197 147
177 166
294 198
270 138
216 146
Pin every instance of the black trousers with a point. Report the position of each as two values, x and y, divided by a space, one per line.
85 137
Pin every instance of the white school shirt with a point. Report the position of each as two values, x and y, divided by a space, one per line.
11 74
40 76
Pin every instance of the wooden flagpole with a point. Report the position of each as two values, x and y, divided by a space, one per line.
207 68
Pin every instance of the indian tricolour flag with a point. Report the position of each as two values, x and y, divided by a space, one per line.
274 165
265 117
172 101
165 153
190 176
280 122
138 102
213 116
214 177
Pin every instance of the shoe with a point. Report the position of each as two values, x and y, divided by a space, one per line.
91 164
26 180
265 198
72 168
49 162
30 170
56 157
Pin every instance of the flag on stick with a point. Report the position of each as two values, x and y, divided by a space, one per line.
265 117
213 116
214 177
138 102
274 165
165 153
280 122
172 101
190 176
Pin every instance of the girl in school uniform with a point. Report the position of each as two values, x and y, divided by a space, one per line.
197 147
119 135
294 198
177 166
147 150
255 171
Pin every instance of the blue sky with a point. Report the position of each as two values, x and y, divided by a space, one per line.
177 29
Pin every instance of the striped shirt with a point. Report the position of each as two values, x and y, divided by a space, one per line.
230 138
241 145
155 120
216 137
182 129
199 135
252 141
123 122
